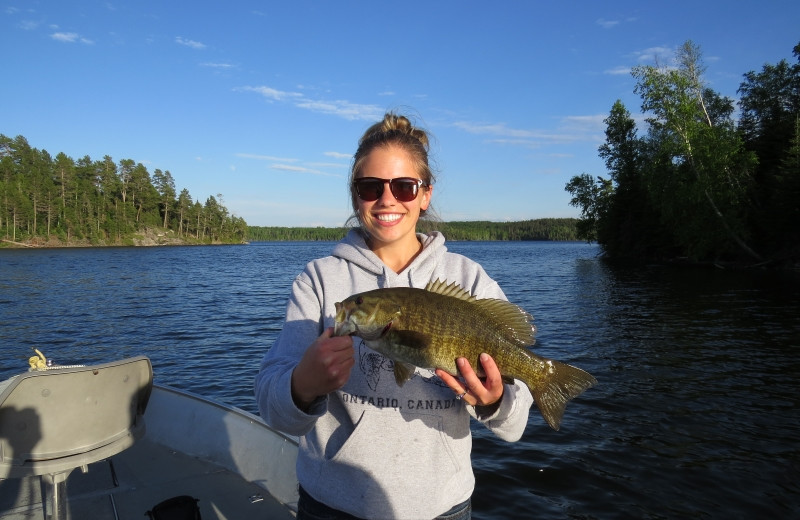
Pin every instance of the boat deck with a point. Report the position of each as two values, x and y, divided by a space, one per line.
127 485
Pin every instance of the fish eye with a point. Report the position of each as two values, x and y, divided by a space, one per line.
359 300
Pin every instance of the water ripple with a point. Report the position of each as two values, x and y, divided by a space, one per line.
695 414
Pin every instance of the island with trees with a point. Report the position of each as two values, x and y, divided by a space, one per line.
699 185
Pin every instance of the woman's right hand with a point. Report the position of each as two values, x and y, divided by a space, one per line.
325 367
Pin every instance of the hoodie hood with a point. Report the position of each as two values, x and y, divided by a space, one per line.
354 249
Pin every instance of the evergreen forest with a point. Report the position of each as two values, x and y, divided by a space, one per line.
699 181
539 229
49 200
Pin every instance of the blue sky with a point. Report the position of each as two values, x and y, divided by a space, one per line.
263 102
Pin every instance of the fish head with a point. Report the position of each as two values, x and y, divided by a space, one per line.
364 315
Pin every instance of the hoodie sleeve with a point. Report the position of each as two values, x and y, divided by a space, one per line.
273 389
509 420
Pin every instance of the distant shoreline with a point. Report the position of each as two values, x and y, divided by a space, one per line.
548 229
145 238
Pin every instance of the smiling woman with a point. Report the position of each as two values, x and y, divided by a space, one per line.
349 449
392 152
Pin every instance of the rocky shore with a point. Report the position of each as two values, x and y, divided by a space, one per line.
149 237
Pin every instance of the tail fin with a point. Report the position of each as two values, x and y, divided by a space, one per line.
563 382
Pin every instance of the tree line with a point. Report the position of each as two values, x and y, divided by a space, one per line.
699 184
100 202
539 229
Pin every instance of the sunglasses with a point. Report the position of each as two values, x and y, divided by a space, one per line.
404 189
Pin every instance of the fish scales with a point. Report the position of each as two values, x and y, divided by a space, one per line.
433 327
458 329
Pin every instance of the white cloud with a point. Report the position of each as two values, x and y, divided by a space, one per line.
345 109
70 37
301 169
607 24
292 168
264 157
493 129
652 55
618 71
189 43
64 37
327 165
591 123
271 93
610 24
339 155
287 164
341 108
218 65
570 129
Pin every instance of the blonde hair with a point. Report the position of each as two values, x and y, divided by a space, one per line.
398 131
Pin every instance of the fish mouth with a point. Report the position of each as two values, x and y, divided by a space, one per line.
344 328
349 328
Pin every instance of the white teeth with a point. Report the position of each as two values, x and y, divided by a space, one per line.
389 218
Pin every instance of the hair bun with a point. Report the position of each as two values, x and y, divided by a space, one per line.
394 124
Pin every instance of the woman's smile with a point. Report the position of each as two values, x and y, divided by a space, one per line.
389 218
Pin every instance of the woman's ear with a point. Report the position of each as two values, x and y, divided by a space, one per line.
426 198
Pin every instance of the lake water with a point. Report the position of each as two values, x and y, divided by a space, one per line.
695 414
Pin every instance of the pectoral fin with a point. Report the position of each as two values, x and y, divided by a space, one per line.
412 339
403 372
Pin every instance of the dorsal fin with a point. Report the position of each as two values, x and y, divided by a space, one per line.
453 289
513 318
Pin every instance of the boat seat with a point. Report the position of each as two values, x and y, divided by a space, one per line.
57 420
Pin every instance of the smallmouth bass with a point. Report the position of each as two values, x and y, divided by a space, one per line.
432 327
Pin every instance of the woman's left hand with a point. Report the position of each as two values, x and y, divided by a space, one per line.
470 388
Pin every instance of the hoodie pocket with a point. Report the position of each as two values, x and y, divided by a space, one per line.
391 458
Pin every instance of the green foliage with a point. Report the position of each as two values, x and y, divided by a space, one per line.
98 202
770 126
540 229
700 196
697 185
286 234
593 198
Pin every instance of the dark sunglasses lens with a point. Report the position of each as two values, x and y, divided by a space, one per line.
404 190
369 189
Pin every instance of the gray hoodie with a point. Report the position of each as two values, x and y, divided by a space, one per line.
374 449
